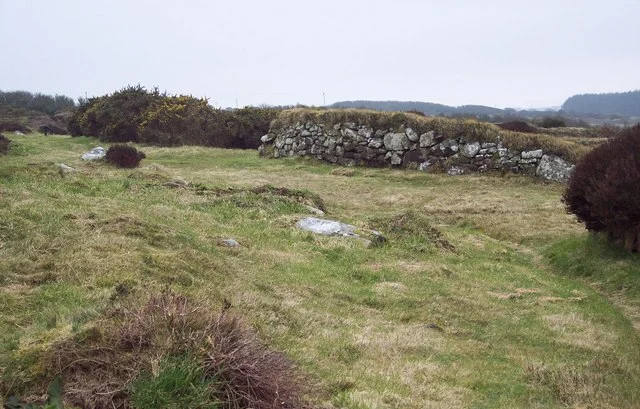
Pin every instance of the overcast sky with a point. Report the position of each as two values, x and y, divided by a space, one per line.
501 53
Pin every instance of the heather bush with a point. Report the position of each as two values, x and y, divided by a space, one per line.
604 192
124 156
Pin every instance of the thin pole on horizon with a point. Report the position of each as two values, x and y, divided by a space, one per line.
324 101
236 103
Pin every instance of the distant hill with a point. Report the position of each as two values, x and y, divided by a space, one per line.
426 107
618 103
430 108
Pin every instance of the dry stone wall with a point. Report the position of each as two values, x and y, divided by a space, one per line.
351 144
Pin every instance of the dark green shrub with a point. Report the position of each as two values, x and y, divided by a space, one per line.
604 192
115 117
124 156
553 122
12 126
4 144
518 126
135 114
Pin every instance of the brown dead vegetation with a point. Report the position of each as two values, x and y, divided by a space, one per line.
99 364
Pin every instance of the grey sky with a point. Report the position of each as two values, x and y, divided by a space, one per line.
500 53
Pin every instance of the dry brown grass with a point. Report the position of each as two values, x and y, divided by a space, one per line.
100 364
577 387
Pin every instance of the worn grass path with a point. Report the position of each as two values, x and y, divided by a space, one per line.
527 311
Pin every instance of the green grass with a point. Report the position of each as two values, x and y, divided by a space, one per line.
179 383
525 310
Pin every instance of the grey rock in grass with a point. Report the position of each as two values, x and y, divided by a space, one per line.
315 210
268 137
456 170
94 154
325 227
177 182
65 169
230 243
554 168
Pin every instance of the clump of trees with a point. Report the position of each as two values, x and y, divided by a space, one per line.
621 103
46 104
604 192
135 114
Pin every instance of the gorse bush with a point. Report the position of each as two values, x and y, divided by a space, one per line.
134 114
115 117
124 156
604 192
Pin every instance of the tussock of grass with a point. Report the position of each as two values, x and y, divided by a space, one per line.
449 128
250 197
173 350
584 386
410 225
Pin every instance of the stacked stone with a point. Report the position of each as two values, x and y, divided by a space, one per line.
351 144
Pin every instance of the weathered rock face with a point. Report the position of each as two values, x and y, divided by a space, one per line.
554 168
350 144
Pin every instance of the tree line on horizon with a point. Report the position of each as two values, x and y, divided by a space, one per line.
616 103
619 103
38 102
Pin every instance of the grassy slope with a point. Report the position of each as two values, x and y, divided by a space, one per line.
515 333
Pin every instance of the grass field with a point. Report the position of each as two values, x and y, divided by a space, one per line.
521 308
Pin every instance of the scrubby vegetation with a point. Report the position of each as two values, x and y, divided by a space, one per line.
4 144
124 156
170 352
45 104
134 114
518 126
604 192
26 112
552 122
